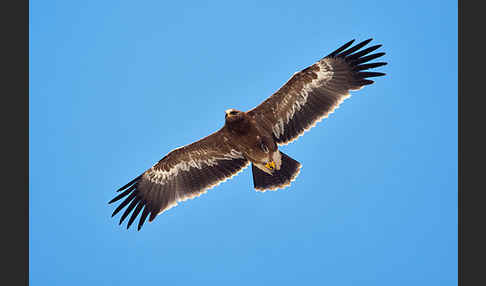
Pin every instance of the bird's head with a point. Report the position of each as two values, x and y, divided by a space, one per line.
232 114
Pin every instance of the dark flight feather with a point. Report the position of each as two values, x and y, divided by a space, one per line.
184 173
313 93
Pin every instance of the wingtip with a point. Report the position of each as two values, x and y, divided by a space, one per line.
365 42
349 43
370 74
340 49
134 181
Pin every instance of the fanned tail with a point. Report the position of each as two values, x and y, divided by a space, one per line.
280 178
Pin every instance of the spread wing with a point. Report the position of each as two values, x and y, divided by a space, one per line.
313 93
184 173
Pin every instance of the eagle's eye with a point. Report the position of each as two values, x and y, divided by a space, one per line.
233 112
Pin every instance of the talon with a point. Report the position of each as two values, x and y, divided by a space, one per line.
270 165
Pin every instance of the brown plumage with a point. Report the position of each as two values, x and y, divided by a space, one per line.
251 137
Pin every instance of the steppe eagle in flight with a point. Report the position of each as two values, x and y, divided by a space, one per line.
252 137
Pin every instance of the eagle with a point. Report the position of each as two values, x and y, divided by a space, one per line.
252 137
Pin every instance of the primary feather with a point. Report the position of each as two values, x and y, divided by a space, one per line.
313 93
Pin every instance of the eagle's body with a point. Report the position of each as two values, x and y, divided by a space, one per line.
256 143
252 137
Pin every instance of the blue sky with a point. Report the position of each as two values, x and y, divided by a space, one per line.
115 85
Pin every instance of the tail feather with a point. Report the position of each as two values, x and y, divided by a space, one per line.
289 170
